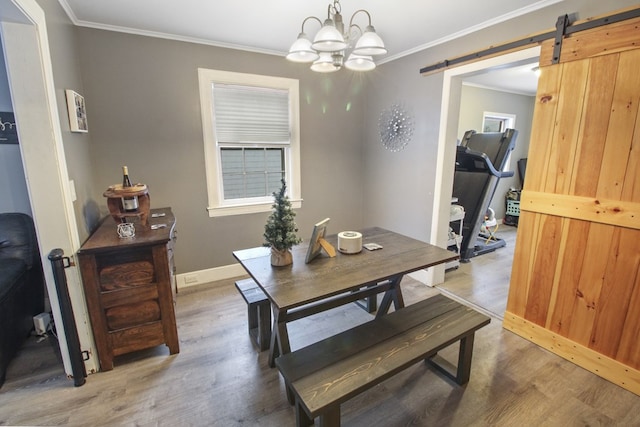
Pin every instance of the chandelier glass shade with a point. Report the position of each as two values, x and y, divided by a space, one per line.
327 51
328 39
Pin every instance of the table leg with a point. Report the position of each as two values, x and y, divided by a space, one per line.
398 299
279 337
394 294
280 345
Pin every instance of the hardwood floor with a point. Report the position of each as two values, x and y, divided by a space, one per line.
219 379
484 280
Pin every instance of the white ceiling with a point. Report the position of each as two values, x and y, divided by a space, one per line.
519 78
270 26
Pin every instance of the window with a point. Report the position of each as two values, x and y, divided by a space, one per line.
251 140
497 122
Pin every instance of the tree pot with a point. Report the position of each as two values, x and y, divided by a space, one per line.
281 258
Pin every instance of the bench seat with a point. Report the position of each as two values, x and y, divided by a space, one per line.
332 371
258 312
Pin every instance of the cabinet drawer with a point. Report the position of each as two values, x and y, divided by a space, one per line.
123 316
131 339
129 296
126 275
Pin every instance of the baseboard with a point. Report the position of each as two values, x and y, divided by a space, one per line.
601 365
195 278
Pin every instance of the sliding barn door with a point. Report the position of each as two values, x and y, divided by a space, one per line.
575 284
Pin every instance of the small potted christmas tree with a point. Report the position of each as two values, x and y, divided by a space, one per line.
280 229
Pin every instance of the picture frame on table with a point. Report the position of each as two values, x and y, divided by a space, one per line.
318 243
77 112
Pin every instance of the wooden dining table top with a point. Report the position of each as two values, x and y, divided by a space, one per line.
300 283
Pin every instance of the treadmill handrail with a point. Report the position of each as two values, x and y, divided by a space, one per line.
466 151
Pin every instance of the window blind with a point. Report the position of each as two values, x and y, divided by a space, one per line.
250 115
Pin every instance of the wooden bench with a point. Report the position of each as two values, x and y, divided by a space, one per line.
330 372
258 312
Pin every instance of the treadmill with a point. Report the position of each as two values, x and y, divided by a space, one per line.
480 160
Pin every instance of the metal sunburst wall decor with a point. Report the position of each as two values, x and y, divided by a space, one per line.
396 128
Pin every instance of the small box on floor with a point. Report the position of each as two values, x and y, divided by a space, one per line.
41 323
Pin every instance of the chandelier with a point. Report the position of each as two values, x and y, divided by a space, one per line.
327 52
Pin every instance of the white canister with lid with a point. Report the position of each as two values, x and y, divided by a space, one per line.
349 242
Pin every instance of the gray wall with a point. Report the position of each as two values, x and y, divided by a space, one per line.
5 95
474 102
143 109
13 185
63 45
399 185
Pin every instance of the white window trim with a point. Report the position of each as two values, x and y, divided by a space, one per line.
217 206
510 119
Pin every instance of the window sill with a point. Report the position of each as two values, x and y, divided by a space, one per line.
246 209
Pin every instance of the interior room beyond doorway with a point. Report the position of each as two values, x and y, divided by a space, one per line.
484 281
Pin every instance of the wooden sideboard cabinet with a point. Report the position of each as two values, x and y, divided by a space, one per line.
130 288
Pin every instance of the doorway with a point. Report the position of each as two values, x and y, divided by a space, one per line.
30 75
484 281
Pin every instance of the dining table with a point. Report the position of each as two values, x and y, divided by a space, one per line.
303 289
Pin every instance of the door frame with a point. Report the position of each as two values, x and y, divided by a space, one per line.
445 163
31 83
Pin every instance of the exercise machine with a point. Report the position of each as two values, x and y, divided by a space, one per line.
480 160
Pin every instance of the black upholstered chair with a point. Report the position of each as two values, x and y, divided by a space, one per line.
21 284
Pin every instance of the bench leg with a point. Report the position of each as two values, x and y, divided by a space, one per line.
259 324
462 372
252 317
464 359
372 304
302 419
331 417
264 326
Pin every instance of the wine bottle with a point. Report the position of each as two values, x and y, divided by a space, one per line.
130 203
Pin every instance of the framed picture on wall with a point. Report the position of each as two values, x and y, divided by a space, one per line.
77 111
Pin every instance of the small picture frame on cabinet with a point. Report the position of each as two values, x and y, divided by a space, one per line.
77 112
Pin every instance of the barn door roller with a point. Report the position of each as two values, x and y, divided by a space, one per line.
561 29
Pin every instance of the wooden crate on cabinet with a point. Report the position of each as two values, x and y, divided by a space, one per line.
129 287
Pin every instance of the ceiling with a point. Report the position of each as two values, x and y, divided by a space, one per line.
520 78
270 26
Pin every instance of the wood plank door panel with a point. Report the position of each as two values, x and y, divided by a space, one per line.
564 141
561 316
575 283
615 294
629 350
596 124
547 254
